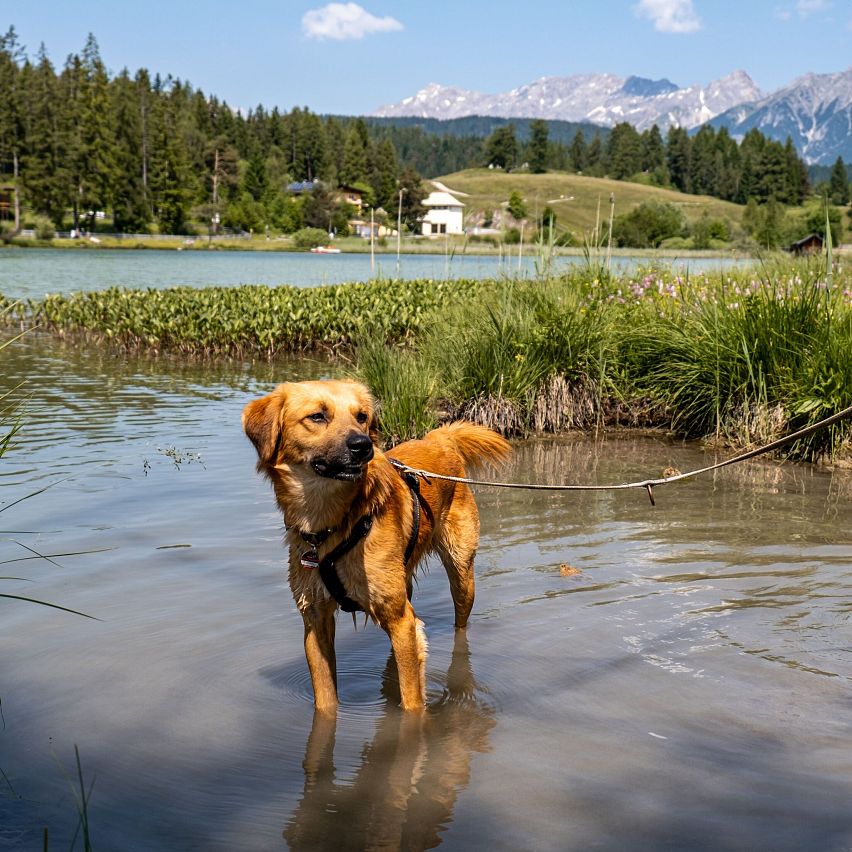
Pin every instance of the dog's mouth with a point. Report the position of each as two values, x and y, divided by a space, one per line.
334 470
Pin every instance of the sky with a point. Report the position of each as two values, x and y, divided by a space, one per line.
349 58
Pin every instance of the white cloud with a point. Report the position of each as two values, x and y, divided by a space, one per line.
671 16
341 21
802 8
808 7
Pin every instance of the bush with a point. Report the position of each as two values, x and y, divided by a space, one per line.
511 236
648 225
310 238
707 231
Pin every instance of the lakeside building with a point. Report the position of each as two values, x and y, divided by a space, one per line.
445 215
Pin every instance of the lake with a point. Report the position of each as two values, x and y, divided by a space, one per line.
30 273
689 687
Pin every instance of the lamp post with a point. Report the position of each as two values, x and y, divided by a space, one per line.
399 228
372 241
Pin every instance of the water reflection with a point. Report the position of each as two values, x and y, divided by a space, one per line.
689 688
403 793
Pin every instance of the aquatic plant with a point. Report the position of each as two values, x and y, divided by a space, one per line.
740 356
247 320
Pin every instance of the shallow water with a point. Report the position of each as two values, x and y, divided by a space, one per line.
31 273
688 688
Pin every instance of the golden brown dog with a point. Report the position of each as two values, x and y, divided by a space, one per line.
317 444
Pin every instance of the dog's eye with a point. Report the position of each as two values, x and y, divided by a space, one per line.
318 417
361 417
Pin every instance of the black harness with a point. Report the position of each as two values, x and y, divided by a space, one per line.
326 565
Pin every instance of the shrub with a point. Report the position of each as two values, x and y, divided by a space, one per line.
511 236
310 237
647 225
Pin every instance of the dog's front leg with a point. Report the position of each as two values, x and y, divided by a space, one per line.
319 650
408 640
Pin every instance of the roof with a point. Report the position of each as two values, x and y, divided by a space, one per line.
301 186
810 238
441 199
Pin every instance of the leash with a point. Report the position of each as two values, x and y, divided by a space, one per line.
647 484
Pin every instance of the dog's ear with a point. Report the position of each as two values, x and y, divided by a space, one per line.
262 422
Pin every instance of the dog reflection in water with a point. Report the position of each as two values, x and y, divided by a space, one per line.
410 774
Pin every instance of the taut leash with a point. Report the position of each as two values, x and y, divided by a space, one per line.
647 484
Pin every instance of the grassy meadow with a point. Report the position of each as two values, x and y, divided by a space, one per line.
741 357
574 198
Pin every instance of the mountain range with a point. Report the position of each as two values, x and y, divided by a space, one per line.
815 110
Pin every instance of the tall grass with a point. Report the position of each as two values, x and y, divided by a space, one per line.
741 356
747 359
405 389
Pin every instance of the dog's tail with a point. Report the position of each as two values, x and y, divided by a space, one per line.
478 446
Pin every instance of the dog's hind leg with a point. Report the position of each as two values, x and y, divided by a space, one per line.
319 650
457 541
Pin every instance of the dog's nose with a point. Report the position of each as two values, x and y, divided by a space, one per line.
360 446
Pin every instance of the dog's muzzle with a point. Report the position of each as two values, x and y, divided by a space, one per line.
348 464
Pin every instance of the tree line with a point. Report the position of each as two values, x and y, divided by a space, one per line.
153 150
710 162
156 151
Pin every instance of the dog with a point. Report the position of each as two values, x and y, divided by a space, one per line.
357 525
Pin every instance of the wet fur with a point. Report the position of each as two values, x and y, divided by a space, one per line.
300 456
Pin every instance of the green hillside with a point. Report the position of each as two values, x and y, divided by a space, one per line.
574 198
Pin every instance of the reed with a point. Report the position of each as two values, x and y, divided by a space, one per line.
406 391
737 356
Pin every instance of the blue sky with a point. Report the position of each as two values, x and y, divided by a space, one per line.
351 57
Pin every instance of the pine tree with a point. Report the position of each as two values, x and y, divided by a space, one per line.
255 180
130 211
501 147
354 165
578 152
678 158
516 206
411 198
12 112
96 166
623 151
772 174
594 156
838 185
654 155
703 176
385 177
538 148
41 165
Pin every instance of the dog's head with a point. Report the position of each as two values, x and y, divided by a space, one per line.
330 427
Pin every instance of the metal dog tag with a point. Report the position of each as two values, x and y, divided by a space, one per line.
310 558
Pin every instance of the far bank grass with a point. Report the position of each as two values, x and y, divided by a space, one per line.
452 246
740 356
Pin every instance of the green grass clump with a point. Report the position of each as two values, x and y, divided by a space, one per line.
747 359
405 389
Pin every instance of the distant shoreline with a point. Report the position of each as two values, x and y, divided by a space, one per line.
349 245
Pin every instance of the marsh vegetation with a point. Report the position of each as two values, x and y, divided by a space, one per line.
741 356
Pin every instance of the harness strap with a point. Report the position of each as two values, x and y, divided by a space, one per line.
413 482
328 573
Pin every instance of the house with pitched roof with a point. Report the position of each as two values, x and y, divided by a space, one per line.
445 215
